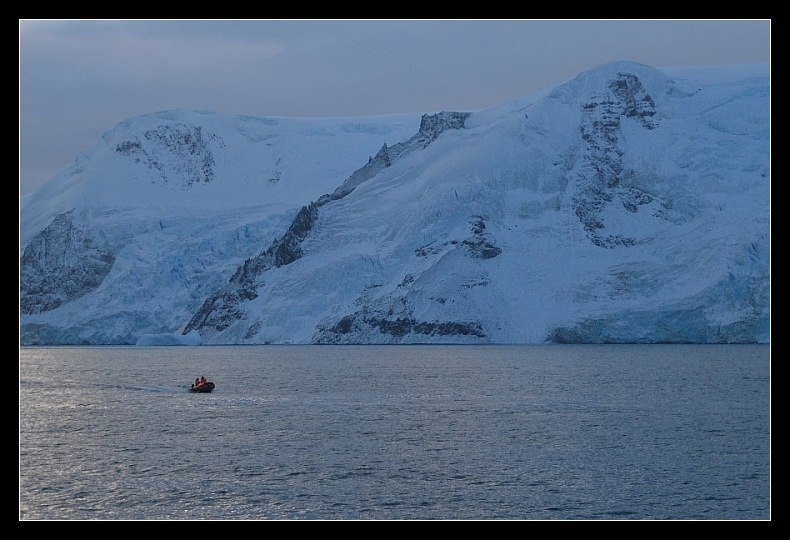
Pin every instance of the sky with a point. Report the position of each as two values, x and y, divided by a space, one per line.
80 78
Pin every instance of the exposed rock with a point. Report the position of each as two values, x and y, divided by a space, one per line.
598 184
176 151
59 265
398 328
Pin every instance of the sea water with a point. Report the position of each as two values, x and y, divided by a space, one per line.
657 432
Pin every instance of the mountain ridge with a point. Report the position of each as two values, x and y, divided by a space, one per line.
625 205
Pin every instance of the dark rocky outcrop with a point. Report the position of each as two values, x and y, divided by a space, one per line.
599 183
223 307
177 151
481 244
60 264
397 328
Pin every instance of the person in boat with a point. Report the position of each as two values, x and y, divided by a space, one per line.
197 382
203 380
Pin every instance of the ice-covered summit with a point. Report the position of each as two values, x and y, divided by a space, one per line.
629 204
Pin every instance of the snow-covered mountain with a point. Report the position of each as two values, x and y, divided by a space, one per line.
629 204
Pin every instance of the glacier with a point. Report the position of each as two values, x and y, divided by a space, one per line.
629 204
191 339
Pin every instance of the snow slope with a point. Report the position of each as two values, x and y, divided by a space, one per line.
629 204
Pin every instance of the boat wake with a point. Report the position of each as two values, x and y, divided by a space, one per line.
145 388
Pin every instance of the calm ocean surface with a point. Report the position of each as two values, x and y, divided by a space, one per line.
564 432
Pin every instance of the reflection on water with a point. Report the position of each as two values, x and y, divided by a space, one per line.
396 432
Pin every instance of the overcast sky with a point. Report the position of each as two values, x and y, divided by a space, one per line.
78 79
